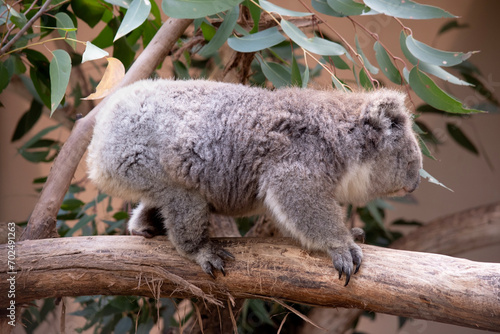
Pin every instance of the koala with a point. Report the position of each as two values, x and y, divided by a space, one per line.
186 149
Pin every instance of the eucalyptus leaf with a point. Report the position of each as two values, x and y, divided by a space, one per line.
66 28
434 56
193 9
432 179
4 77
136 14
90 11
60 70
316 45
80 224
366 62
350 7
295 74
461 138
323 7
92 52
270 7
428 91
225 30
28 120
424 149
278 74
208 31
256 42
121 3
407 9
429 68
386 65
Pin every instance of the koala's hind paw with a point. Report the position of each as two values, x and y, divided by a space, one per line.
211 257
344 258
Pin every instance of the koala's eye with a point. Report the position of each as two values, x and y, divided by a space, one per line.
396 122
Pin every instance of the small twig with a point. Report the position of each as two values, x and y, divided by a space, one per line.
25 28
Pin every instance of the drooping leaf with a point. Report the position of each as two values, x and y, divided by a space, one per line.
225 30
92 52
66 28
305 77
181 71
315 44
60 70
366 62
89 11
322 7
452 24
386 65
256 42
136 14
80 224
432 179
407 9
207 30
115 71
434 56
461 138
255 12
295 74
350 7
429 68
365 81
428 91
193 9
424 149
123 326
270 7
39 135
27 121
4 77
278 74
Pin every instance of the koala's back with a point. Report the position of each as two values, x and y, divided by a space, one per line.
214 137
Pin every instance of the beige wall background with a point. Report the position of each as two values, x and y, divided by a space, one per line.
473 180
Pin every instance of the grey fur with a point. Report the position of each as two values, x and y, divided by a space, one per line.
185 149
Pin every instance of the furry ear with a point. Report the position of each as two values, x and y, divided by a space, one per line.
385 109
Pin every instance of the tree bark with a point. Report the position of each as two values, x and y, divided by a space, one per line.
416 285
42 221
453 234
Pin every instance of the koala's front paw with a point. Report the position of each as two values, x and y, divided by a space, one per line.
345 257
211 256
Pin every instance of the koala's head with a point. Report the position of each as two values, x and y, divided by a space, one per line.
390 157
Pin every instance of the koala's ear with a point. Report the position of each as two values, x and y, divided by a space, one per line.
385 109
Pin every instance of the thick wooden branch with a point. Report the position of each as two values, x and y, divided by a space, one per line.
42 221
452 234
417 285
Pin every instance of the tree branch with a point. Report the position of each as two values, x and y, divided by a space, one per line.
417 285
453 234
42 221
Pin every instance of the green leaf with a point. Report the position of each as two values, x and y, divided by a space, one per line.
136 14
225 30
364 80
296 75
278 74
372 208
92 52
429 68
350 7
180 71
431 179
124 52
123 326
434 56
41 88
339 84
71 204
120 3
407 9
305 77
66 28
315 44
452 24
322 7
80 224
338 62
428 91
424 149
4 77
460 137
254 13
207 30
386 65
256 42
89 11
34 156
60 69
193 9
38 136
27 121
366 62
270 7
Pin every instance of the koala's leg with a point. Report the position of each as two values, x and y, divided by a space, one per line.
146 221
186 218
302 203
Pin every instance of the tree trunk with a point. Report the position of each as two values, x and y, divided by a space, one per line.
416 285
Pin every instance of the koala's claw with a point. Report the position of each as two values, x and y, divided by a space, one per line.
344 259
211 257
